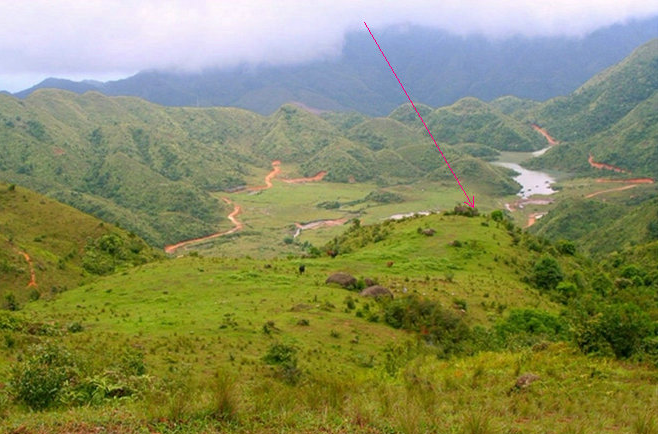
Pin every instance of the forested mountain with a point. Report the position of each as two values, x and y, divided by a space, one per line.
437 68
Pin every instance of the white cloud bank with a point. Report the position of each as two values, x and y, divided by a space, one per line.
105 38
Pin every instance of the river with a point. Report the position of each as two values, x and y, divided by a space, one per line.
532 181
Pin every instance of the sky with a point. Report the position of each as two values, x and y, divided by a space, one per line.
111 39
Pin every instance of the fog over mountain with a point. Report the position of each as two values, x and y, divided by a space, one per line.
436 66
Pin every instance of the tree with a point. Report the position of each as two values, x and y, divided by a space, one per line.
546 273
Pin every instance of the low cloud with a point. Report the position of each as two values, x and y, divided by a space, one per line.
73 38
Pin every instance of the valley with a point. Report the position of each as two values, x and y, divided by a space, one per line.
189 269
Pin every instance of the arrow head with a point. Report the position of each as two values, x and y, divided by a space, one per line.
471 202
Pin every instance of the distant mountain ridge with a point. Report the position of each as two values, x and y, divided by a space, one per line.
437 68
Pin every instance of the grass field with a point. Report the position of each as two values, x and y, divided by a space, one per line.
204 326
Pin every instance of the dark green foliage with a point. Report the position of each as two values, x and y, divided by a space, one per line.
285 358
497 215
465 211
75 327
566 247
36 130
437 325
104 254
10 302
39 380
622 330
529 326
547 273
384 197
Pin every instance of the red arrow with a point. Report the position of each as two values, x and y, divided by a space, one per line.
470 202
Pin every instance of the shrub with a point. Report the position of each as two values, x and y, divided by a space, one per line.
38 381
437 325
529 326
10 302
546 273
566 247
75 327
497 215
285 357
620 329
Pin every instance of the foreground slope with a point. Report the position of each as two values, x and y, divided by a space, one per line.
239 345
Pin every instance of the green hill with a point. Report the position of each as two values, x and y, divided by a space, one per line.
154 169
604 99
65 247
600 226
612 117
472 120
239 345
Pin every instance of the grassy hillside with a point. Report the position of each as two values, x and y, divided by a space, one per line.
47 247
155 170
472 120
612 117
604 99
472 341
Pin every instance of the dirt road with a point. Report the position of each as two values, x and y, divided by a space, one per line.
604 166
551 141
237 225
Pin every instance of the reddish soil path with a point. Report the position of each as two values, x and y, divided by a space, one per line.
625 187
237 225
628 181
605 166
532 218
633 182
33 276
276 169
551 141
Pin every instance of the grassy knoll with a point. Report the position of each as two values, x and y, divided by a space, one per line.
198 344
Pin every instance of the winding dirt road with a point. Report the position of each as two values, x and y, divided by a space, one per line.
237 210
551 141
630 183
276 169
237 225
604 166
